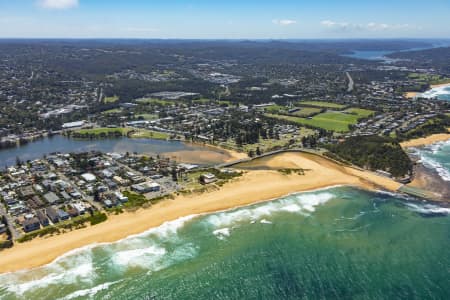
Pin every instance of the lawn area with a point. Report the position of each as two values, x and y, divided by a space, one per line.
307 111
266 145
430 79
103 130
112 99
149 134
322 104
360 112
335 121
112 111
202 101
154 101
148 117
275 108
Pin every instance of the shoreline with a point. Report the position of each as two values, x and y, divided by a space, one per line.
253 187
425 178
425 141
436 86
412 95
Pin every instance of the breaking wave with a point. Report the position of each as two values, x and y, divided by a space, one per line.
433 157
428 209
442 93
304 204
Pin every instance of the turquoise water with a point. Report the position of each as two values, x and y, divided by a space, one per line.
338 243
436 157
441 93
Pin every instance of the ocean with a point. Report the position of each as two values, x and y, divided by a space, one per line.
336 243
436 157
441 93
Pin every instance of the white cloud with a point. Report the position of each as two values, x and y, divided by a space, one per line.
371 26
58 4
284 22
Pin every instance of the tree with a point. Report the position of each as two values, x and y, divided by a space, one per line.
258 151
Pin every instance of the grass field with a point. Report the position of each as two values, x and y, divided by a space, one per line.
103 130
335 121
149 134
268 144
138 134
112 99
322 104
202 101
154 101
148 117
112 111
360 112
275 108
428 78
307 111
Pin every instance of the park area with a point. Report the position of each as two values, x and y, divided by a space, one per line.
338 121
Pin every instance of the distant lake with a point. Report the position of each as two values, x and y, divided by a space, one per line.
370 55
382 54
58 143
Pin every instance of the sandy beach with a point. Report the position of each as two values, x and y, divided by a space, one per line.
213 156
410 95
254 186
439 85
426 140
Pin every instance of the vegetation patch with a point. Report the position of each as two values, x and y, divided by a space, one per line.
292 171
429 78
100 132
440 124
360 112
322 104
149 134
112 99
72 224
335 121
154 101
374 153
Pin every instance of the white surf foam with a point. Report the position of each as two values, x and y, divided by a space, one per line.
90 292
430 162
222 233
146 257
76 269
299 204
428 209
436 92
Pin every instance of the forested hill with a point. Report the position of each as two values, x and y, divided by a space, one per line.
374 153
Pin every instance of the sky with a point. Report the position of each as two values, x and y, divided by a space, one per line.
225 19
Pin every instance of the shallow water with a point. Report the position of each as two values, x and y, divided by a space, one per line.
328 244
39 148
436 157
441 93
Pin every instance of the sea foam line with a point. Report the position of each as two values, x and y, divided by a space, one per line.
178 224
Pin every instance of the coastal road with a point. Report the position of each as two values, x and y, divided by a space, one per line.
351 83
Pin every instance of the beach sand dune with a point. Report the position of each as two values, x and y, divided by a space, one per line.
254 186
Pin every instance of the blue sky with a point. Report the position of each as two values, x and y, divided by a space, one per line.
210 19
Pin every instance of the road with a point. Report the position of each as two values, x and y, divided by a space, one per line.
14 232
351 83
